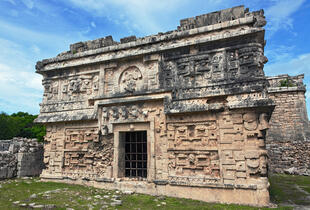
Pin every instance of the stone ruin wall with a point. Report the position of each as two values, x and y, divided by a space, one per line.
288 139
199 92
20 157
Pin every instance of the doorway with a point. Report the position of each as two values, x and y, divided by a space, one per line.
135 154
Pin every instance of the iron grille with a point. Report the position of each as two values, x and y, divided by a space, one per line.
136 154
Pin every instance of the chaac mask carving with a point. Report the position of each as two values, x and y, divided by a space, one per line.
130 80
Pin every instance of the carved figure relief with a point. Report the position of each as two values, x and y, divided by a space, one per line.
130 80
50 90
233 65
218 62
194 71
263 125
257 162
250 121
80 86
116 113
121 114
201 70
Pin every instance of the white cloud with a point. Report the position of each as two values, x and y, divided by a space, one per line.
93 24
35 49
28 3
20 90
147 16
14 13
280 53
20 86
279 14
19 78
11 52
24 34
296 65
11 1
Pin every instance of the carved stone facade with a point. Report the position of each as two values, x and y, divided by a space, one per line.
191 105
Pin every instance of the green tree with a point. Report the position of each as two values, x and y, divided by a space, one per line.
8 127
20 124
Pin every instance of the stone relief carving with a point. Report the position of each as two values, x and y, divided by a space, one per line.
256 162
87 153
231 65
250 121
53 146
80 86
74 88
192 135
130 112
109 81
130 80
127 113
61 106
194 164
50 90
193 152
75 152
71 89
242 131
218 67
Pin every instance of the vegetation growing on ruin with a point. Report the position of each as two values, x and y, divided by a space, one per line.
286 83
20 125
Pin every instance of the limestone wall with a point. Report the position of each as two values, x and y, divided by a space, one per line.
20 157
292 157
288 138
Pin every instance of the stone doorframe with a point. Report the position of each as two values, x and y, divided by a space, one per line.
129 127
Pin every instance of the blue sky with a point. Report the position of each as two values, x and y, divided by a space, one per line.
31 30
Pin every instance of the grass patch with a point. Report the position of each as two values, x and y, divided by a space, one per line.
290 189
283 191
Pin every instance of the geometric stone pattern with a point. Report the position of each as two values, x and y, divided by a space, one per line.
78 152
199 92
228 149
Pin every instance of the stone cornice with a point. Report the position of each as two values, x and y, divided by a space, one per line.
118 51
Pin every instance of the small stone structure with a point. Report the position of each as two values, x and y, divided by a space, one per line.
20 157
182 113
288 139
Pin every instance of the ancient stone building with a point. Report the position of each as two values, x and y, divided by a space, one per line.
288 139
182 113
